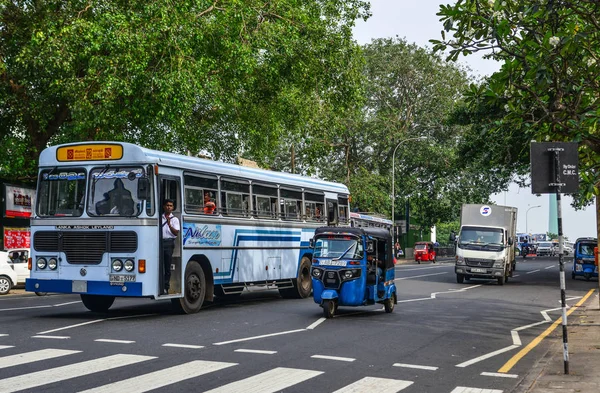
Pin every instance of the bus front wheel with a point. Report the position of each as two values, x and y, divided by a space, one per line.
97 303
302 284
194 291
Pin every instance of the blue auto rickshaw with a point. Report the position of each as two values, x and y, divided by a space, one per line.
584 263
352 267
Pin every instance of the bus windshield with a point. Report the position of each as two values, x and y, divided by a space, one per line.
113 192
338 248
61 192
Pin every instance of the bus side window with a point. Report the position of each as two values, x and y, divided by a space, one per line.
291 204
265 201
235 197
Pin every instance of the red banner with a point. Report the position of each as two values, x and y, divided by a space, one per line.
16 238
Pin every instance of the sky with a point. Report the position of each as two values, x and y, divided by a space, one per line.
417 22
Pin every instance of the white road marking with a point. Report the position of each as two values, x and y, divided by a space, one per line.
530 325
500 375
341 359
6 346
53 337
415 300
24 308
463 389
533 271
515 275
420 268
57 374
515 337
317 323
72 326
415 366
422 275
268 382
549 267
107 340
258 337
3 334
259 351
487 356
66 304
379 385
162 378
42 354
183 346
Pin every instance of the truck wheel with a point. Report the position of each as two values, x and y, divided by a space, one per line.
501 280
302 284
460 278
329 308
194 291
97 303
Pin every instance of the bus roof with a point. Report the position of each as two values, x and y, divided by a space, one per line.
73 154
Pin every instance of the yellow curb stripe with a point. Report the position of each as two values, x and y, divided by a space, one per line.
511 363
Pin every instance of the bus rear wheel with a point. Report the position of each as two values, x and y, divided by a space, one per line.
302 284
194 292
97 303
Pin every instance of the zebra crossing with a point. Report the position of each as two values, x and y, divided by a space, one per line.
274 380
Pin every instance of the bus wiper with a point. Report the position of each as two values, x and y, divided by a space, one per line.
96 178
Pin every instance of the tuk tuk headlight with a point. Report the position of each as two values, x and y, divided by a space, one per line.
52 263
117 265
41 263
348 274
129 265
317 273
579 261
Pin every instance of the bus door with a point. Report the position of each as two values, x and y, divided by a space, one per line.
170 189
332 212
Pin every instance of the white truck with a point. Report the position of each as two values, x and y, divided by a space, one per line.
485 244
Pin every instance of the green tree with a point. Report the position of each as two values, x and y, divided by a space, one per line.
224 76
547 87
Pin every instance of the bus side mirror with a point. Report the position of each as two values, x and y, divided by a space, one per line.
143 188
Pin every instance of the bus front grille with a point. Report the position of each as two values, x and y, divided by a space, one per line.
85 247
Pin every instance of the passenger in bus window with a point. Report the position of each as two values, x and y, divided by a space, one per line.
317 214
209 205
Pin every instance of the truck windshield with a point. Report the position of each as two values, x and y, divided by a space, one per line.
481 238
338 248
60 192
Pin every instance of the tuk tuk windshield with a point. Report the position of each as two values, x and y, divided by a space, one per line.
586 249
338 247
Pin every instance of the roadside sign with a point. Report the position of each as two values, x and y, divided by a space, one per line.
554 167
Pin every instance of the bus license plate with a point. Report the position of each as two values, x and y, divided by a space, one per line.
120 279
478 270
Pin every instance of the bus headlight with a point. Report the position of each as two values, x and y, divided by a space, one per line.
129 265
117 265
41 263
52 263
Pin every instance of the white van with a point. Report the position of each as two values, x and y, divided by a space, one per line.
8 277
17 259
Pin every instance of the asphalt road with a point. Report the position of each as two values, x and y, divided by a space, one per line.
442 337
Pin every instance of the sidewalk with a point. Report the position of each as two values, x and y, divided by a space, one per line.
583 333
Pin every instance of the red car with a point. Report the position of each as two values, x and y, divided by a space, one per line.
424 251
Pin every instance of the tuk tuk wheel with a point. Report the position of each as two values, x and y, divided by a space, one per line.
329 308
573 275
389 303
587 276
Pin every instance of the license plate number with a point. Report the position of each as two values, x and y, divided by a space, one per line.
478 270
120 279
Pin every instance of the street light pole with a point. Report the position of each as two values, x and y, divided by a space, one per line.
526 219
393 173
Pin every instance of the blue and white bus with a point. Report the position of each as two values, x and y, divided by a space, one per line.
96 226
369 220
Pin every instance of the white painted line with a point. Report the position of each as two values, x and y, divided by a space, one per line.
415 300
422 275
341 359
57 374
259 337
162 378
515 337
23 308
6 346
487 356
379 385
53 337
71 326
317 323
3 334
66 304
530 325
434 294
515 275
420 268
549 267
107 340
463 389
35 356
500 375
415 366
183 346
533 271
268 382
259 351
